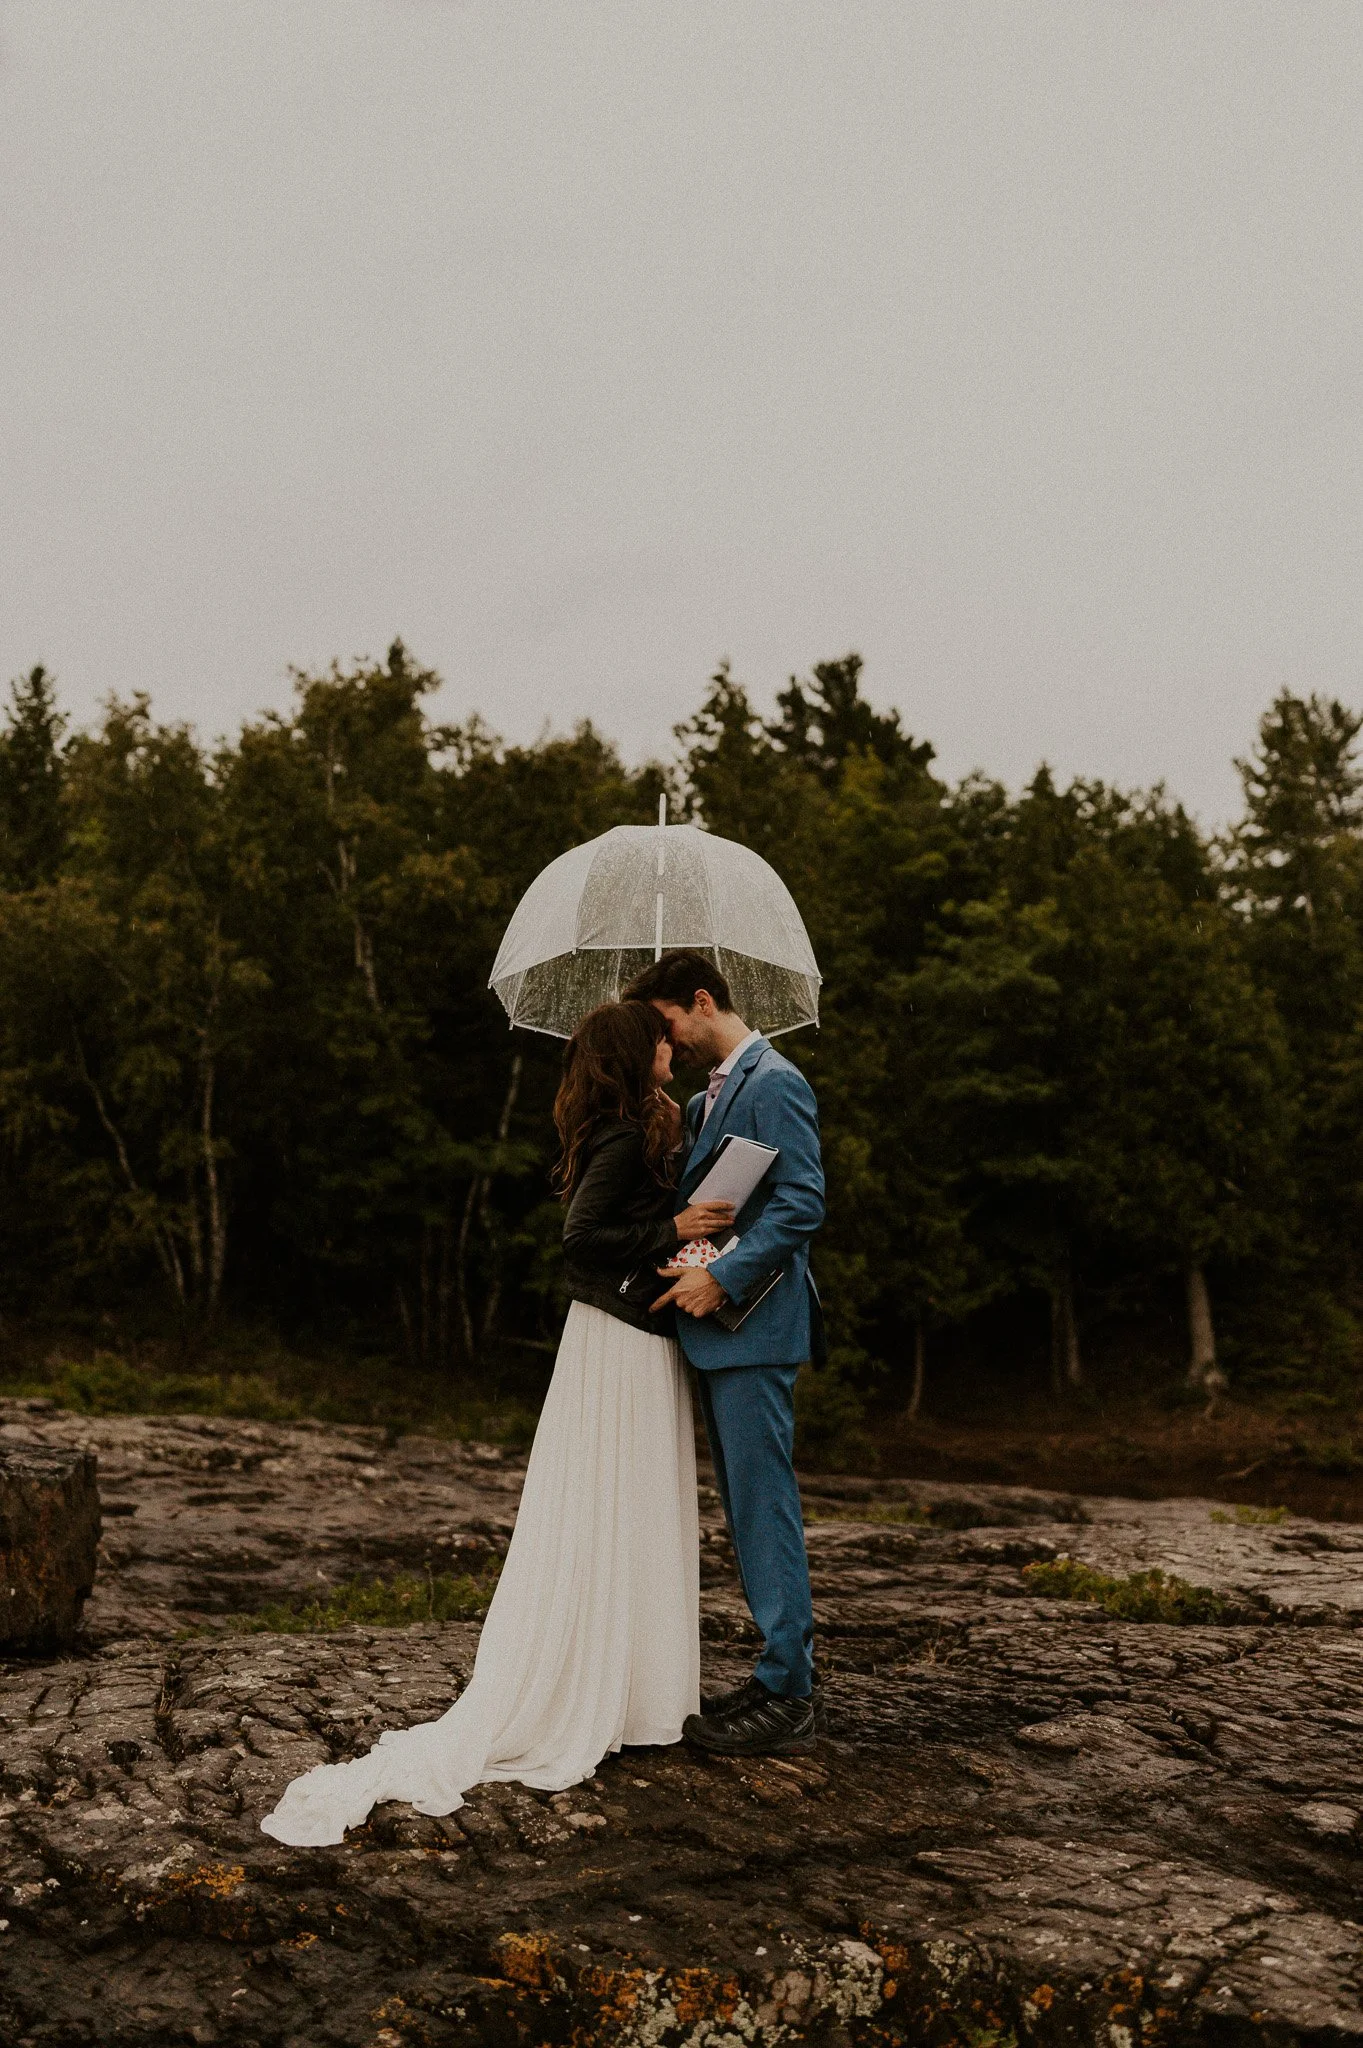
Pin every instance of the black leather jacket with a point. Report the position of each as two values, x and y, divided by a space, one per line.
619 1224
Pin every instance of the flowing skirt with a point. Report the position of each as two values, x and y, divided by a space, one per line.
592 1639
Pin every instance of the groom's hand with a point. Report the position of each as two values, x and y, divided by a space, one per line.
694 1293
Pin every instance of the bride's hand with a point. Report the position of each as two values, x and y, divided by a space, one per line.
673 1113
702 1218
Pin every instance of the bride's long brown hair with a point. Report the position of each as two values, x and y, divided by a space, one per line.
608 1073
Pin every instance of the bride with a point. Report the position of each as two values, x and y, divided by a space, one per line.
592 1638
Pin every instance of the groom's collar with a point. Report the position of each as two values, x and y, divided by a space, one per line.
745 1057
744 1044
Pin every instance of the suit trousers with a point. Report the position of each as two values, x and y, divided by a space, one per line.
749 1415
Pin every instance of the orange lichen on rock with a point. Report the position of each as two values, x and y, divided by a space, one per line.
216 1880
703 1995
527 1960
616 1996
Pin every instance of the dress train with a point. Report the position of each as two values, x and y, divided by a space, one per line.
592 1638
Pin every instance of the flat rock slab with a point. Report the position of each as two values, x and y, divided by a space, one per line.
49 1535
1027 1818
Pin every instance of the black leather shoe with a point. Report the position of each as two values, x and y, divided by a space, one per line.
749 1694
763 1726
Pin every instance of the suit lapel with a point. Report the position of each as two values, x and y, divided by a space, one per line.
712 1130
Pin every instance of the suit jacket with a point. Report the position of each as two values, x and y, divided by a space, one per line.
768 1099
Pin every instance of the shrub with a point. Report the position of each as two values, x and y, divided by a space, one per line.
830 1435
1333 1456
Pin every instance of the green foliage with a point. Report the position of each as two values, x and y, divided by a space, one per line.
830 1433
1141 1596
1251 1517
376 1603
1336 1457
32 825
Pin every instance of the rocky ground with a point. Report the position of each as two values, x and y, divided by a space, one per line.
1028 1821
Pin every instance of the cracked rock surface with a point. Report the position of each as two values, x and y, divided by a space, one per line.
1027 1819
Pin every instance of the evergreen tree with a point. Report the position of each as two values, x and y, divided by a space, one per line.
32 823
1295 868
826 722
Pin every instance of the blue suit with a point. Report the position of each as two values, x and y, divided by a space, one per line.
747 1377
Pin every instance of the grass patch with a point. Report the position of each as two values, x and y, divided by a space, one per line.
292 1390
1141 1596
1252 1518
377 1603
893 1511
109 1385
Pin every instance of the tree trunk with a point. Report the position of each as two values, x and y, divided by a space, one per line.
163 1242
364 945
424 1292
217 1219
1201 1331
489 1220
405 1317
461 1274
442 1297
1067 1366
193 1234
920 1347
478 1203
364 960
1203 1370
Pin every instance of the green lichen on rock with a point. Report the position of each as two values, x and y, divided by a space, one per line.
1140 1596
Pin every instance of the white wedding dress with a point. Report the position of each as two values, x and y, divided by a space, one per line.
592 1639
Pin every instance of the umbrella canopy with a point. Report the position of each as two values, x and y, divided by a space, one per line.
601 912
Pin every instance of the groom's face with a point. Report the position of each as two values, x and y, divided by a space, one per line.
691 1033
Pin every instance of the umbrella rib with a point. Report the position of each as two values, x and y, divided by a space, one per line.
662 862
710 906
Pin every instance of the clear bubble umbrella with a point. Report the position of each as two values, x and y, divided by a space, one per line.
599 913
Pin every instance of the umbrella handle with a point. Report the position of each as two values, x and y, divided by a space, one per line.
662 855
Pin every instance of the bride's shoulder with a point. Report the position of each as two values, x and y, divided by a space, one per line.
613 1130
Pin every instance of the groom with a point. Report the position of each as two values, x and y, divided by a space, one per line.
747 1375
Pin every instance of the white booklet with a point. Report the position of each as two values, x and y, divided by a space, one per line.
739 1165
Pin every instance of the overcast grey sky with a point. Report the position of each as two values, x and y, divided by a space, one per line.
1016 343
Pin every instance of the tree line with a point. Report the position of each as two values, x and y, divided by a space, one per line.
1077 1056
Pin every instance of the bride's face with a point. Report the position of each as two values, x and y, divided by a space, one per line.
662 1063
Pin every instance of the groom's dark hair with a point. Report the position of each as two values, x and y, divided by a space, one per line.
679 977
